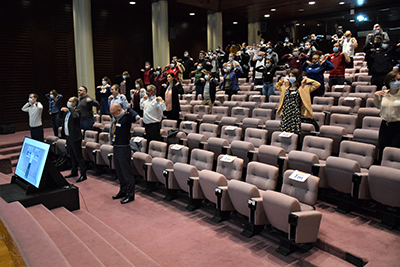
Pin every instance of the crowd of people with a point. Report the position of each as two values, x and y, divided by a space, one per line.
154 95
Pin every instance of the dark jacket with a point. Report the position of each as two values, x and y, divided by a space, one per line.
233 79
176 90
213 87
74 124
380 61
268 73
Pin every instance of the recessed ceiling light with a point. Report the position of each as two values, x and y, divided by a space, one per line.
342 3
235 22
301 9
192 14
132 3
273 9
352 20
304 24
297 24
311 3
318 25
266 15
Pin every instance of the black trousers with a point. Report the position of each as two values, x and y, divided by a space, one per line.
123 169
55 123
75 152
378 80
152 132
389 135
230 93
37 133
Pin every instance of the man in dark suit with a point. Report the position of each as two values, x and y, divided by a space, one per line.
72 131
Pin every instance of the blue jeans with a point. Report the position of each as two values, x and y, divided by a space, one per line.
87 124
268 90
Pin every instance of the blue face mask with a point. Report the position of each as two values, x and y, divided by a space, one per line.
335 49
385 46
158 72
137 85
254 47
185 55
198 67
307 47
217 49
295 54
228 68
301 45
377 31
206 77
259 57
286 41
30 100
104 82
395 85
214 56
172 65
52 96
123 77
269 50
291 79
268 65
146 67
230 59
69 104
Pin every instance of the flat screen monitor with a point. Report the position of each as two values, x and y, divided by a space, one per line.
32 160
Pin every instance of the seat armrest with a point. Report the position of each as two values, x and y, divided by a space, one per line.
223 201
166 174
304 226
360 189
257 213
314 133
195 191
251 155
225 150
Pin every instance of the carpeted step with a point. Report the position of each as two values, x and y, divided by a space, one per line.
9 150
14 162
106 253
14 155
10 144
125 247
316 257
74 250
5 178
34 245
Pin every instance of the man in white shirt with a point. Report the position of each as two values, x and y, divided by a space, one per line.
153 108
349 44
35 110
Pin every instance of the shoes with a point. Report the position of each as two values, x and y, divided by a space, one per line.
119 195
82 178
71 175
127 199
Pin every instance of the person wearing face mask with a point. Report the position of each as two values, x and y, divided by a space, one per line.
180 66
173 68
314 41
308 49
54 108
86 104
125 84
380 59
215 66
315 70
188 63
71 131
287 46
146 73
120 134
349 44
376 31
244 61
170 94
271 54
153 107
295 59
230 84
268 72
158 79
295 100
202 60
116 97
208 86
136 94
35 110
339 60
231 59
388 101
197 74
256 63
104 91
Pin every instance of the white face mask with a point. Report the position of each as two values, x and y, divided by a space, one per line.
69 104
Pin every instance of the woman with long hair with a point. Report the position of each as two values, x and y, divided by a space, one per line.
170 94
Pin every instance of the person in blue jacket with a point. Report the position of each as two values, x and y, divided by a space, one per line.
315 70
230 83
54 108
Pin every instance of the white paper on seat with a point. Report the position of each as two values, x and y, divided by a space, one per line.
230 128
286 134
137 139
228 158
220 95
299 176
339 86
256 95
177 147
349 98
187 122
188 95
237 107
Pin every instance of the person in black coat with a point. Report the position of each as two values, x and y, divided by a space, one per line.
208 86
71 130
170 94
244 61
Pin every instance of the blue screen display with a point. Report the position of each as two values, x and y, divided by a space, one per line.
32 160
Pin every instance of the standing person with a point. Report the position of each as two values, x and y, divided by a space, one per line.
349 44
86 104
188 63
230 83
295 60
54 108
198 73
136 95
257 63
173 68
125 85
146 73
268 72
120 134
202 60
116 97
153 107
377 31
295 100
208 88
271 54
158 79
170 94
244 61
215 66
388 101
104 91
315 70
339 60
72 131
35 110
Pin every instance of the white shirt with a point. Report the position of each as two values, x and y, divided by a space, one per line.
35 113
66 129
348 47
259 63
152 110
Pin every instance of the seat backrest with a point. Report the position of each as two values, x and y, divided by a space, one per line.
317 108
262 175
306 192
346 121
231 133
371 123
345 89
188 126
91 136
169 124
249 104
202 159
384 185
208 130
215 144
391 157
157 149
177 153
105 119
241 150
326 101
353 102
240 113
183 102
274 98
201 109
334 132
221 97
195 102
104 138
272 126
320 146
239 98
220 112
225 121
256 97
369 89
257 137
287 143
341 110
370 103
231 170
319 117
270 105
230 105
262 114
209 118
363 153
270 154
364 78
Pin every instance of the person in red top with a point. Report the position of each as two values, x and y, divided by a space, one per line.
339 60
158 78
173 68
146 73
295 60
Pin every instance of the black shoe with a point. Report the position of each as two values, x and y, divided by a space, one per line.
127 199
71 175
119 195
82 178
